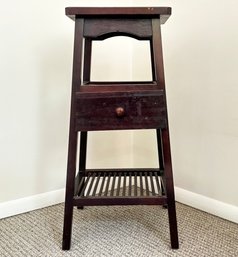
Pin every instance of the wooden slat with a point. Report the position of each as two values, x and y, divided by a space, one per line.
85 184
113 184
118 184
146 185
101 188
91 184
158 184
152 184
79 186
76 183
163 188
129 190
96 184
124 186
135 182
141 185
107 185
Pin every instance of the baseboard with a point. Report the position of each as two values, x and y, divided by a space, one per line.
31 203
220 209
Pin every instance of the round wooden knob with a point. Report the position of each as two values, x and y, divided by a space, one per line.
120 112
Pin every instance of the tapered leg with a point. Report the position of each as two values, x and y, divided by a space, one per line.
73 136
170 190
163 138
71 169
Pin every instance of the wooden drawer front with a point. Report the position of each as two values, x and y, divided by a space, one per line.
120 112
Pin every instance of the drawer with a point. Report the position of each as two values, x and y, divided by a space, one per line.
121 111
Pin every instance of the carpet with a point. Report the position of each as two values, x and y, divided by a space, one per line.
130 231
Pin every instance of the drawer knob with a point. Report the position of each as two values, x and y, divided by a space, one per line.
120 112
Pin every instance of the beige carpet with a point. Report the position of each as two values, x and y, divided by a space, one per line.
140 231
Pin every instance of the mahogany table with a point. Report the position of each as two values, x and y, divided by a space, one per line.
116 106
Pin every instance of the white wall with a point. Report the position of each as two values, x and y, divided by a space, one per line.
35 70
201 59
36 64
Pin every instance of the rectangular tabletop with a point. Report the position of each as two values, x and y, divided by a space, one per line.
124 12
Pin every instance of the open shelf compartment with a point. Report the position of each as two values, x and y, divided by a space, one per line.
119 187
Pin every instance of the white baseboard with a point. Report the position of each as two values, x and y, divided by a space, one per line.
220 209
31 203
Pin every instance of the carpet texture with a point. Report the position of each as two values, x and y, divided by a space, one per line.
140 231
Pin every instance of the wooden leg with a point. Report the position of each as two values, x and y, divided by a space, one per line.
160 149
71 169
161 161
170 189
83 150
173 225
73 136
82 155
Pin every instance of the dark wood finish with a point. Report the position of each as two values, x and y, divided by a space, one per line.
82 157
73 136
132 84
118 105
161 158
102 184
170 191
124 171
120 201
138 110
118 184
87 60
135 185
137 28
160 149
108 178
167 162
161 13
96 184
83 134
122 88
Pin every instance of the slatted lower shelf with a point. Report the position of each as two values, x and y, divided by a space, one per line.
119 187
